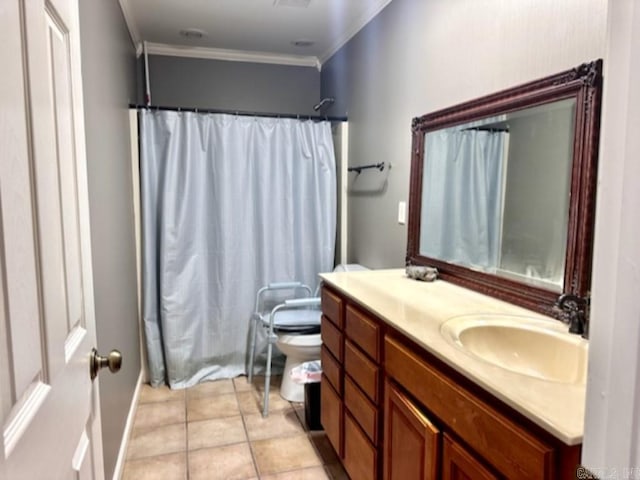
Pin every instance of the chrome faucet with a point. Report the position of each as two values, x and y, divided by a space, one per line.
572 310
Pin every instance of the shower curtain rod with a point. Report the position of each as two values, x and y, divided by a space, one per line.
241 113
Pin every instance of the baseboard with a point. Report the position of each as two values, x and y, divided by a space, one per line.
122 454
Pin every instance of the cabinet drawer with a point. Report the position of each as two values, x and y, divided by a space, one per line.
331 414
332 307
504 444
364 331
361 368
332 338
331 369
362 409
360 457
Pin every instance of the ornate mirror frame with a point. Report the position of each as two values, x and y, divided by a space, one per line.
584 84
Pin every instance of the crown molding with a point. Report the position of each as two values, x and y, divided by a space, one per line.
231 55
132 26
356 27
241 55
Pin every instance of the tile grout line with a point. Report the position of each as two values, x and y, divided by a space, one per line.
297 409
246 432
141 402
243 414
308 434
154 426
186 432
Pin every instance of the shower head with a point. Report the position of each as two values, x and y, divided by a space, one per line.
323 102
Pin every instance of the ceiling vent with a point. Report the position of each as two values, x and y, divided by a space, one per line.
192 33
291 3
303 43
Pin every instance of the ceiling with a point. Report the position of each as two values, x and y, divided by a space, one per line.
249 30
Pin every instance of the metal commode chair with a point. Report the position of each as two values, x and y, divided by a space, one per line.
299 313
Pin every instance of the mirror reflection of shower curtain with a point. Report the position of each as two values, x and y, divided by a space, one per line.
462 196
229 204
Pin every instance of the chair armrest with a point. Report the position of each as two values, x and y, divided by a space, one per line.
293 305
280 286
284 285
303 302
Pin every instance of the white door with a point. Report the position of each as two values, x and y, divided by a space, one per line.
48 404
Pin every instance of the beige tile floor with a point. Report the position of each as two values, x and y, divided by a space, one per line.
215 431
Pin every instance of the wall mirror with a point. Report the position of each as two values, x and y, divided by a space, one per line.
502 194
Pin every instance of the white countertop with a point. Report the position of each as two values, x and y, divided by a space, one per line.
418 309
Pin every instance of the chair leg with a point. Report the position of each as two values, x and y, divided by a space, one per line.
252 348
267 381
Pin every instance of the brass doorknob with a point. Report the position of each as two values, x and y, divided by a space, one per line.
96 362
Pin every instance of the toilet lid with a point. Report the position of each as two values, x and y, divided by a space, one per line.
287 318
295 321
298 321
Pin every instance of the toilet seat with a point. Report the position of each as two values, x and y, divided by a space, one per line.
301 340
297 321
296 330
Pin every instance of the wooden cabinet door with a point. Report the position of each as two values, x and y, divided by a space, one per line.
458 464
332 415
411 441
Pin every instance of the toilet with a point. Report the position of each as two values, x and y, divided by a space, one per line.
302 346
297 349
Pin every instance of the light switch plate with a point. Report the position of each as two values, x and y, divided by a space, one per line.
402 213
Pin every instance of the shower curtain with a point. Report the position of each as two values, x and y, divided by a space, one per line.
229 203
462 197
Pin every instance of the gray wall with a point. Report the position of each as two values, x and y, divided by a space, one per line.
219 84
418 56
108 68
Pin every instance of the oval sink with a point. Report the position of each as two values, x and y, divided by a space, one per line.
524 345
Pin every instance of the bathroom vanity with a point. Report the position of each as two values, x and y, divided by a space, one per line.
481 374
400 401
